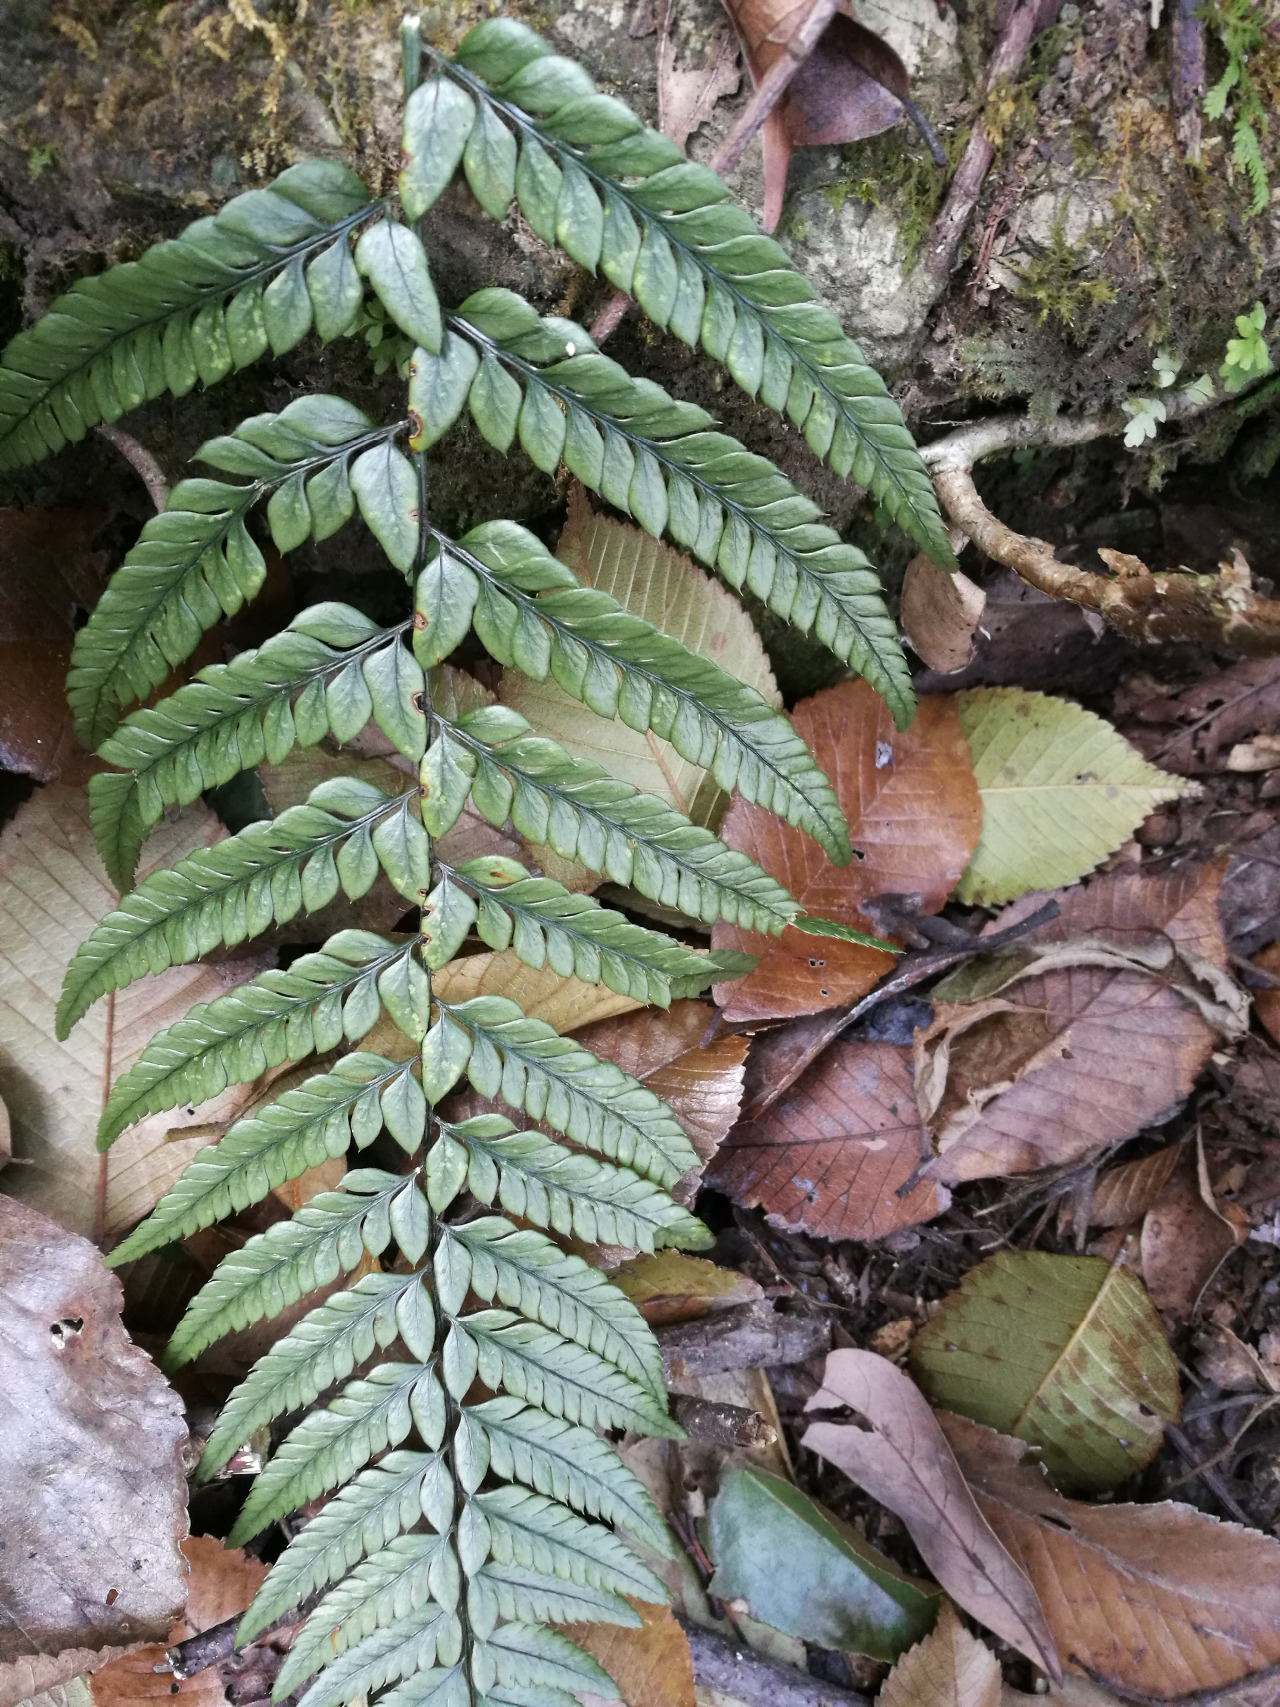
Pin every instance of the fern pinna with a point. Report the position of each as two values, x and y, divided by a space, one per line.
471 1492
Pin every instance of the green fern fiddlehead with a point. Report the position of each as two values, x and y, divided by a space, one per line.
462 1523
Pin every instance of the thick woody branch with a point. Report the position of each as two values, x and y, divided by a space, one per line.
1222 610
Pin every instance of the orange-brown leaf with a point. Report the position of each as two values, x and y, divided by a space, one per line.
1156 1601
949 1668
1186 1236
651 1666
914 816
1124 1194
829 1155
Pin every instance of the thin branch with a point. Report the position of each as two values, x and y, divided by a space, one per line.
140 460
796 49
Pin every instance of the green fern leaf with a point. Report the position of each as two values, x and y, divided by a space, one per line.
322 1348
360 1519
556 1080
238 887
228 719
410 1572
539 1365
576 1195
419 1635
512 1591
329 1446
697 265
634 839
436 1688
529 1654
524 1270
326 1237
321 1000
661 462
193 308
195 562
1246 153
528 1529
620 666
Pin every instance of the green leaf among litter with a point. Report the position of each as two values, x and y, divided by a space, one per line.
1060 791
804 1572
1066 1353
813 926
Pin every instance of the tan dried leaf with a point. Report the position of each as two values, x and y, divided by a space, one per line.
651 1666
672 1286
1266 997
53 891
829 1156
903 1460
687 99
566 1004
1154 1601
92 1484
940 612
914 816
950 1668
36 1676
1187 1236
1124 1194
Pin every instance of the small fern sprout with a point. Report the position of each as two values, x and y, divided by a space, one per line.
450 1402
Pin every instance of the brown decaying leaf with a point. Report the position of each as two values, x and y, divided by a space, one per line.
672 1286
1194 731
1186 1236
53 891
851 86
914 816
651 1666
1155 1601
1124 1194
940 613
92 1485
1266 997
949 1668
1121 1050
904 1461
38 1674
687 99
223 1582
50 574
1229 1363
829 1155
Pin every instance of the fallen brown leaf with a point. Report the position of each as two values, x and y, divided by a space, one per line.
950 1668
92 1484
1124 1194
1186 1236
829 1155
687 99
51 575
1194 731
40 1674
1155 1601
651 1666
903 1460
940 612
914 816
1230 1364
1119 1049
672 1286
1266 997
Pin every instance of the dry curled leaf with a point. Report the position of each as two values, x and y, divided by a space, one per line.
1193 732
940 612
1187 1235
672 1286
651 1666
914 815
903 1460
829 1155
950 1668
1086 1054
92 1484
1155 1601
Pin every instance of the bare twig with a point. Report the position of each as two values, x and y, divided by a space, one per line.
1211 1479
746 1676
141 460
769 90
966 186
1223 609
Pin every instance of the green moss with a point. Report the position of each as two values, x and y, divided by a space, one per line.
904 180
1054 283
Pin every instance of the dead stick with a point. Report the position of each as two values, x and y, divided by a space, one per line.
746 1676
975 162
769 90
141 461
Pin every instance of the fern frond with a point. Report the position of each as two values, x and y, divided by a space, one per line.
526 1271
524 1655
410 1572
696 264
229 718
558 1458
361 1518
621 666
195 562
322 1348
321 1000
327 1237
1246 152
328 1447
438 1688
663 463
556 1080
540 1365
576 1195
546 924
526 1528
238 887
634 839
513 1591
193 308
418 1637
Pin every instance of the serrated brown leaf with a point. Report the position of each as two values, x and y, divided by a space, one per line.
949 1668
903 1460
1155 1601
1122 1048
914 816
92 1485
829 1155
651 1666
1124 1194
